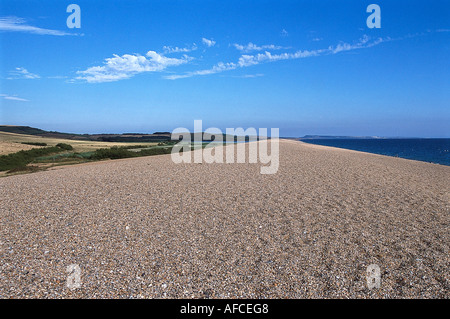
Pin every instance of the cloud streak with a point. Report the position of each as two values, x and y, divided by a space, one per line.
248 76
128 65
250 60
21 73
253 47
169 49
16 24
208 43
13 98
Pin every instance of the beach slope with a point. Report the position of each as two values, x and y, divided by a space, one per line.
149 228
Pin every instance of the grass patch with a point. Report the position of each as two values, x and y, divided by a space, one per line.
56 158
23 158
78 145
59 155
64 146
24 169
123 152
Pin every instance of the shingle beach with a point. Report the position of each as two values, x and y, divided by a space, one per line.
150 228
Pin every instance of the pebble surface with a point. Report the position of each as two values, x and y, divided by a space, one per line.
149 228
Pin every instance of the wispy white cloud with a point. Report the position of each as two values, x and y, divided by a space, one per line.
250 60
284 33
21 73
169 49
218 68
128 65
253 47
208 43
57 77
364 42
248 76
16 24
13 98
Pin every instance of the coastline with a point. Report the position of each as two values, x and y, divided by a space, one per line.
416 150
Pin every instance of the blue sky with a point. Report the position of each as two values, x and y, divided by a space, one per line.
306 67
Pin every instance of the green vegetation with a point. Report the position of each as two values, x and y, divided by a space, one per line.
57 158
82 148
17 162
21 130
166 143
132 137
133 146
64 154
22 158
64 146
161 137
123 152
25 169
34 143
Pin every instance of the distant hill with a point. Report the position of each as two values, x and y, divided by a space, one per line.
133 137
126 137
21 130
329 137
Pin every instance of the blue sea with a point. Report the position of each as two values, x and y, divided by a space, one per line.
433 150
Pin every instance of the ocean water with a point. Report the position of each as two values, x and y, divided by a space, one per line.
433 150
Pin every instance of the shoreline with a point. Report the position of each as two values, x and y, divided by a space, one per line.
318 146
368 152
